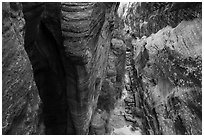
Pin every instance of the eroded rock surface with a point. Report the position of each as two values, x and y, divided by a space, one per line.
142 78
171 79
20 99
166 69
68 50
87 35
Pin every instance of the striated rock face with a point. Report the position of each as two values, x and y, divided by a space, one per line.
167 73
20 99
86 28
85 62
68 50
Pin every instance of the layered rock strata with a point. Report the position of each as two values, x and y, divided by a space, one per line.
68 50
86 28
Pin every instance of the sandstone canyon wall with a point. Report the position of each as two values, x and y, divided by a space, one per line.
166 67
83 38
20 99
81 58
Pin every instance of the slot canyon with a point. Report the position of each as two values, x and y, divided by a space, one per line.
102 68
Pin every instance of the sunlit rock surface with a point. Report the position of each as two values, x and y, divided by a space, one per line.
171 78
20 100
145 18
167 69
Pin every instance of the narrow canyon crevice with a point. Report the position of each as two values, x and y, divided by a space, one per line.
166 67
95 68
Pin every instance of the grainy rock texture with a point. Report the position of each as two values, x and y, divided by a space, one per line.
171 79
68 50
166 68
84 59
20 99
145 18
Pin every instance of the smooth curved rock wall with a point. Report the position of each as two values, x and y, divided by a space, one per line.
84 61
